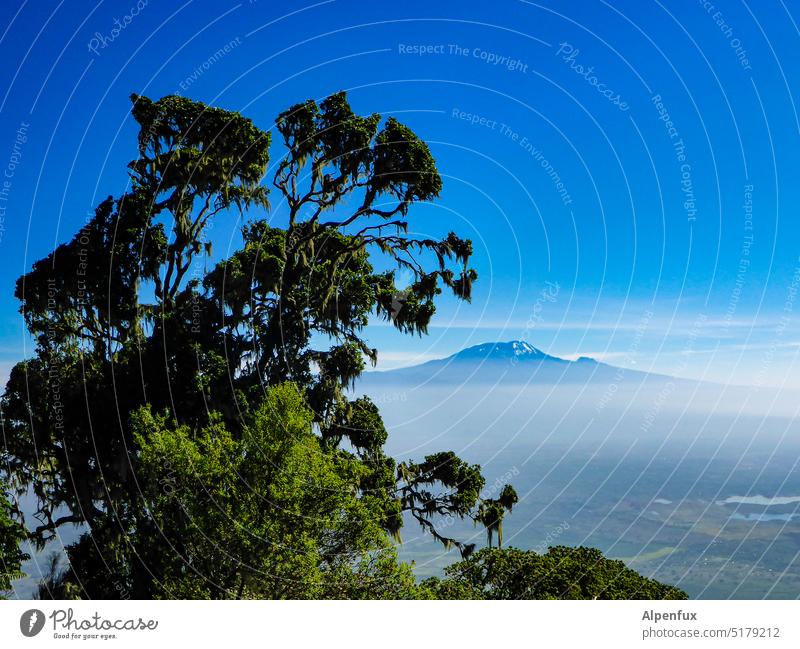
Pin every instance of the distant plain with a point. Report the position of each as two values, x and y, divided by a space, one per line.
694 484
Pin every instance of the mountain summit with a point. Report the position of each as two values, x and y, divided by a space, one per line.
517 349
514 362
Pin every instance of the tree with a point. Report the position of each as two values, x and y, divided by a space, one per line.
100 352
199 421
12 534
129 324
561 573
270 514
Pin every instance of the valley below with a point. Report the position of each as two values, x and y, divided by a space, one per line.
696 485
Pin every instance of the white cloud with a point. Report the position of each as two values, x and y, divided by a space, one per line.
390 360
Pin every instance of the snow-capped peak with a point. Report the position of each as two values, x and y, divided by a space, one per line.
512 349
521 348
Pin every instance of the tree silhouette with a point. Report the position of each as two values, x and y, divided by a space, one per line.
127 316
201 423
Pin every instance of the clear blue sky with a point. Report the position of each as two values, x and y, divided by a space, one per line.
599 228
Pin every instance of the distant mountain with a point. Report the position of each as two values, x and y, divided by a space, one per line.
516 349
511 362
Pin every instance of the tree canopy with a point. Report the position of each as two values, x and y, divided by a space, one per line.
12 534
135 332
198 418
561 573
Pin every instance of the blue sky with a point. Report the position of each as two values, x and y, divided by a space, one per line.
628 170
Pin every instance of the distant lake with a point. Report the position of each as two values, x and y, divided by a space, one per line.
763 518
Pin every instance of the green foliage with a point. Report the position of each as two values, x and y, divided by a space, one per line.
208 437
269 514
12 534
100 351
458 494
360 422
492 511
561 573
189 150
